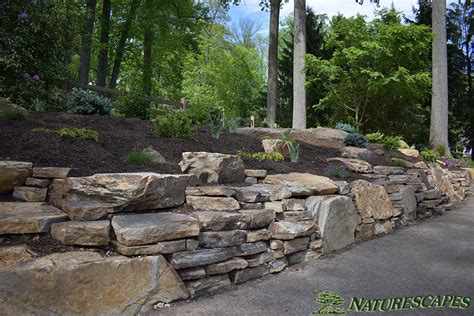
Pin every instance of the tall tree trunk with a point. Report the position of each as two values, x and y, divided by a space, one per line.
439 100
104 44
147 48
86 44
299 77
121 43
272 93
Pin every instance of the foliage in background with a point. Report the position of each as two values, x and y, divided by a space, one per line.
13 114
174 124
356 140
85 102
378 76
82 133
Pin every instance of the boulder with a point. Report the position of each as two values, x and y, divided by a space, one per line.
162 247
337 221
294 204
226 238
12 174
11 256
251 180
258 218
290 230
29 194
51 172
297 257
304 184
213 167
364 231
409 203
278 265
343 187
354 152
240 276
92 198
217 221
261 193
205 203
74 283
371 200
410 152
440 179
275 146
208 285
95 233
28 218
227 266
142 229
352 164
201 257
156 157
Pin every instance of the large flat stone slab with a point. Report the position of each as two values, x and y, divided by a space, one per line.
304 184
205 203
261 193
142 229
85 283
208 285
94 233
162 247
291 230
28 218
217 221
259 218
227 238
51 172
12 174
29 194
92 198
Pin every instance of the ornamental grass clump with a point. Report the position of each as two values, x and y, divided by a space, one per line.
138 158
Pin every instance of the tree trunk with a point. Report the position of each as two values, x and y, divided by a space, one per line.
299 77
121 44
147 55
272 93
104 44
86 44
439 100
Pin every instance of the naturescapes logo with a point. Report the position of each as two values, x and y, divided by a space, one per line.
331 303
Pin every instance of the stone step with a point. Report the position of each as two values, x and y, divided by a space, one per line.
143 229
93 233
28 218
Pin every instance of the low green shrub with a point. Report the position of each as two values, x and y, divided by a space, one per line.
261 156
429 155
391 142
356 140
346 127
42 130
14 114
441 150
174 124
139 158
132 107
294 149
84 102
336 172
376 137
232 124
82 133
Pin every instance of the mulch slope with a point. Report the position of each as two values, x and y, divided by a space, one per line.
117 136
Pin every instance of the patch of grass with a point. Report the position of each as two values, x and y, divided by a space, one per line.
261 156
139 158
82 133
14 114
336 172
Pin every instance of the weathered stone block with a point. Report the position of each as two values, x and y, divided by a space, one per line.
295 245
192 273
304 184
371 200
12 174
29 194
228 238
204 203
296 257
201 257
290 230
227 266
257 235
251 248
51 172
248 274
259 218
217 221
208 285
256 173
163 247
278 265
94 233
37 183
142 229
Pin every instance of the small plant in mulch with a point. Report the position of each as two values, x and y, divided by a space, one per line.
82 133
369 157
14 114
261 156
294 149
138 158
336 171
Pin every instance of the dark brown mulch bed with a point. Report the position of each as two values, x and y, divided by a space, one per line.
117 136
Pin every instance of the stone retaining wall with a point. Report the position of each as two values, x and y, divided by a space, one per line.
174 240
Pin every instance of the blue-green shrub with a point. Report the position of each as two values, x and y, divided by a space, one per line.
84 102
346 127
356 140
